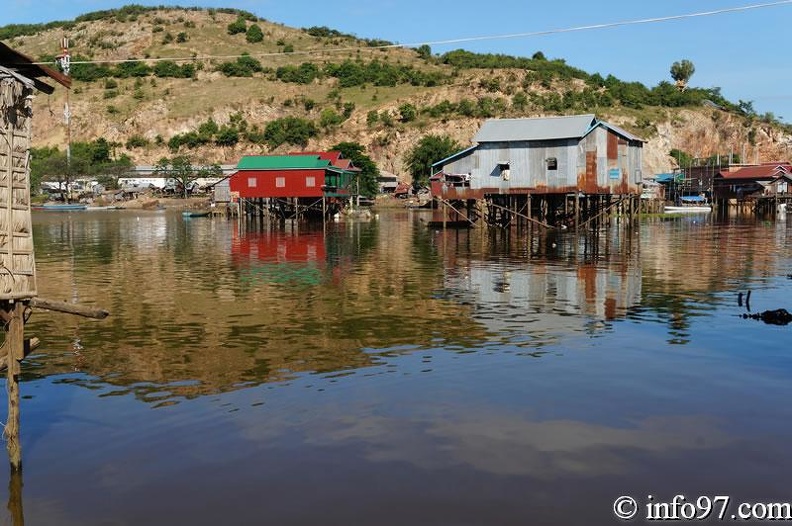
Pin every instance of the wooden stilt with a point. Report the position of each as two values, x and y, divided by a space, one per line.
14 352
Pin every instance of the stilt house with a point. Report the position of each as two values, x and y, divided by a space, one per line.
20 78
552 158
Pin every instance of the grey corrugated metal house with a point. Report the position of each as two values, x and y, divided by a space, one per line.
551 157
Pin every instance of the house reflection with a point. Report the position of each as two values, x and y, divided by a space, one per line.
275 256
545 288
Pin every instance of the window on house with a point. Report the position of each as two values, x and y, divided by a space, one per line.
280 182
310 182
552 163
251 182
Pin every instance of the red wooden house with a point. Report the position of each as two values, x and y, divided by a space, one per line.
311 175
295 184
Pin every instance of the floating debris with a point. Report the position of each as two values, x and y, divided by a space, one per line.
772 317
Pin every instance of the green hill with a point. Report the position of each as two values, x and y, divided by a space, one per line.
216 84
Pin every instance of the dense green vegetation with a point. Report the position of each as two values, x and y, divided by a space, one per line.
429 150
366 181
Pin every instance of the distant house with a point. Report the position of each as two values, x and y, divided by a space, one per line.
753 181
550 155
387 182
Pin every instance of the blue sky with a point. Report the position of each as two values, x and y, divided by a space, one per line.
745 53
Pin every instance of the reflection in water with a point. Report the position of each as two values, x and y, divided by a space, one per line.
385 373
15 509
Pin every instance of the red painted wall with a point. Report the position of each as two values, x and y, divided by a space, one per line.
266 183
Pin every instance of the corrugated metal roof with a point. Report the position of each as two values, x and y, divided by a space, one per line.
621 131
536 129
454 157
282 162
761 171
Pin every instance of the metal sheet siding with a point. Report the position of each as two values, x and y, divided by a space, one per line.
602 160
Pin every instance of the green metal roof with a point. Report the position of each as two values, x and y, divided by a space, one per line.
281 162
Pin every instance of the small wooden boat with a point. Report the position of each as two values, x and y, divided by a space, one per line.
196 213
60 207
691 204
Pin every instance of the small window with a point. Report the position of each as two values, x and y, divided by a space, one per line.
310 182
251 182
280 182
552 163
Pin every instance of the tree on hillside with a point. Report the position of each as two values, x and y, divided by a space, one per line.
254 34
429 150
683 159
681 71
238 26
180 169
369 173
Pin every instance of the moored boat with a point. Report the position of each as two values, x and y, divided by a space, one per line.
60 207
196 213
689 204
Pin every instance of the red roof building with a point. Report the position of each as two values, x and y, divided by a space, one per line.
756 180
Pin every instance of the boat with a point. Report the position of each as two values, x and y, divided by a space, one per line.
60 207
196 213
689 204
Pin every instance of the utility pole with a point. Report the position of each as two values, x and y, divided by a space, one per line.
64 59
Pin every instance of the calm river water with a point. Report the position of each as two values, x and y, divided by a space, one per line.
383 373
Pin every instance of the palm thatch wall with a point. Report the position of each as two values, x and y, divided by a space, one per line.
17 265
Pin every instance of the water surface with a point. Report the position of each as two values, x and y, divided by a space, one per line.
385 373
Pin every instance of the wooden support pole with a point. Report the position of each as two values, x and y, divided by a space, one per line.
14 352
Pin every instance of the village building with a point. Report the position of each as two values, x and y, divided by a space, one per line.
757 188
550 170
294 186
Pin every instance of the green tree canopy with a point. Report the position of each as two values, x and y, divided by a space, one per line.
254 34
681 71
178 168
429 150
369 173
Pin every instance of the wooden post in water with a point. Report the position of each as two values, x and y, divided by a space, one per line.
13 346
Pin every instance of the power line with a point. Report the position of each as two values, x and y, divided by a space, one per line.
607 25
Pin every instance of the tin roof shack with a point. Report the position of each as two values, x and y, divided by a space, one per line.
295 185
552 157
749 181
19 79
